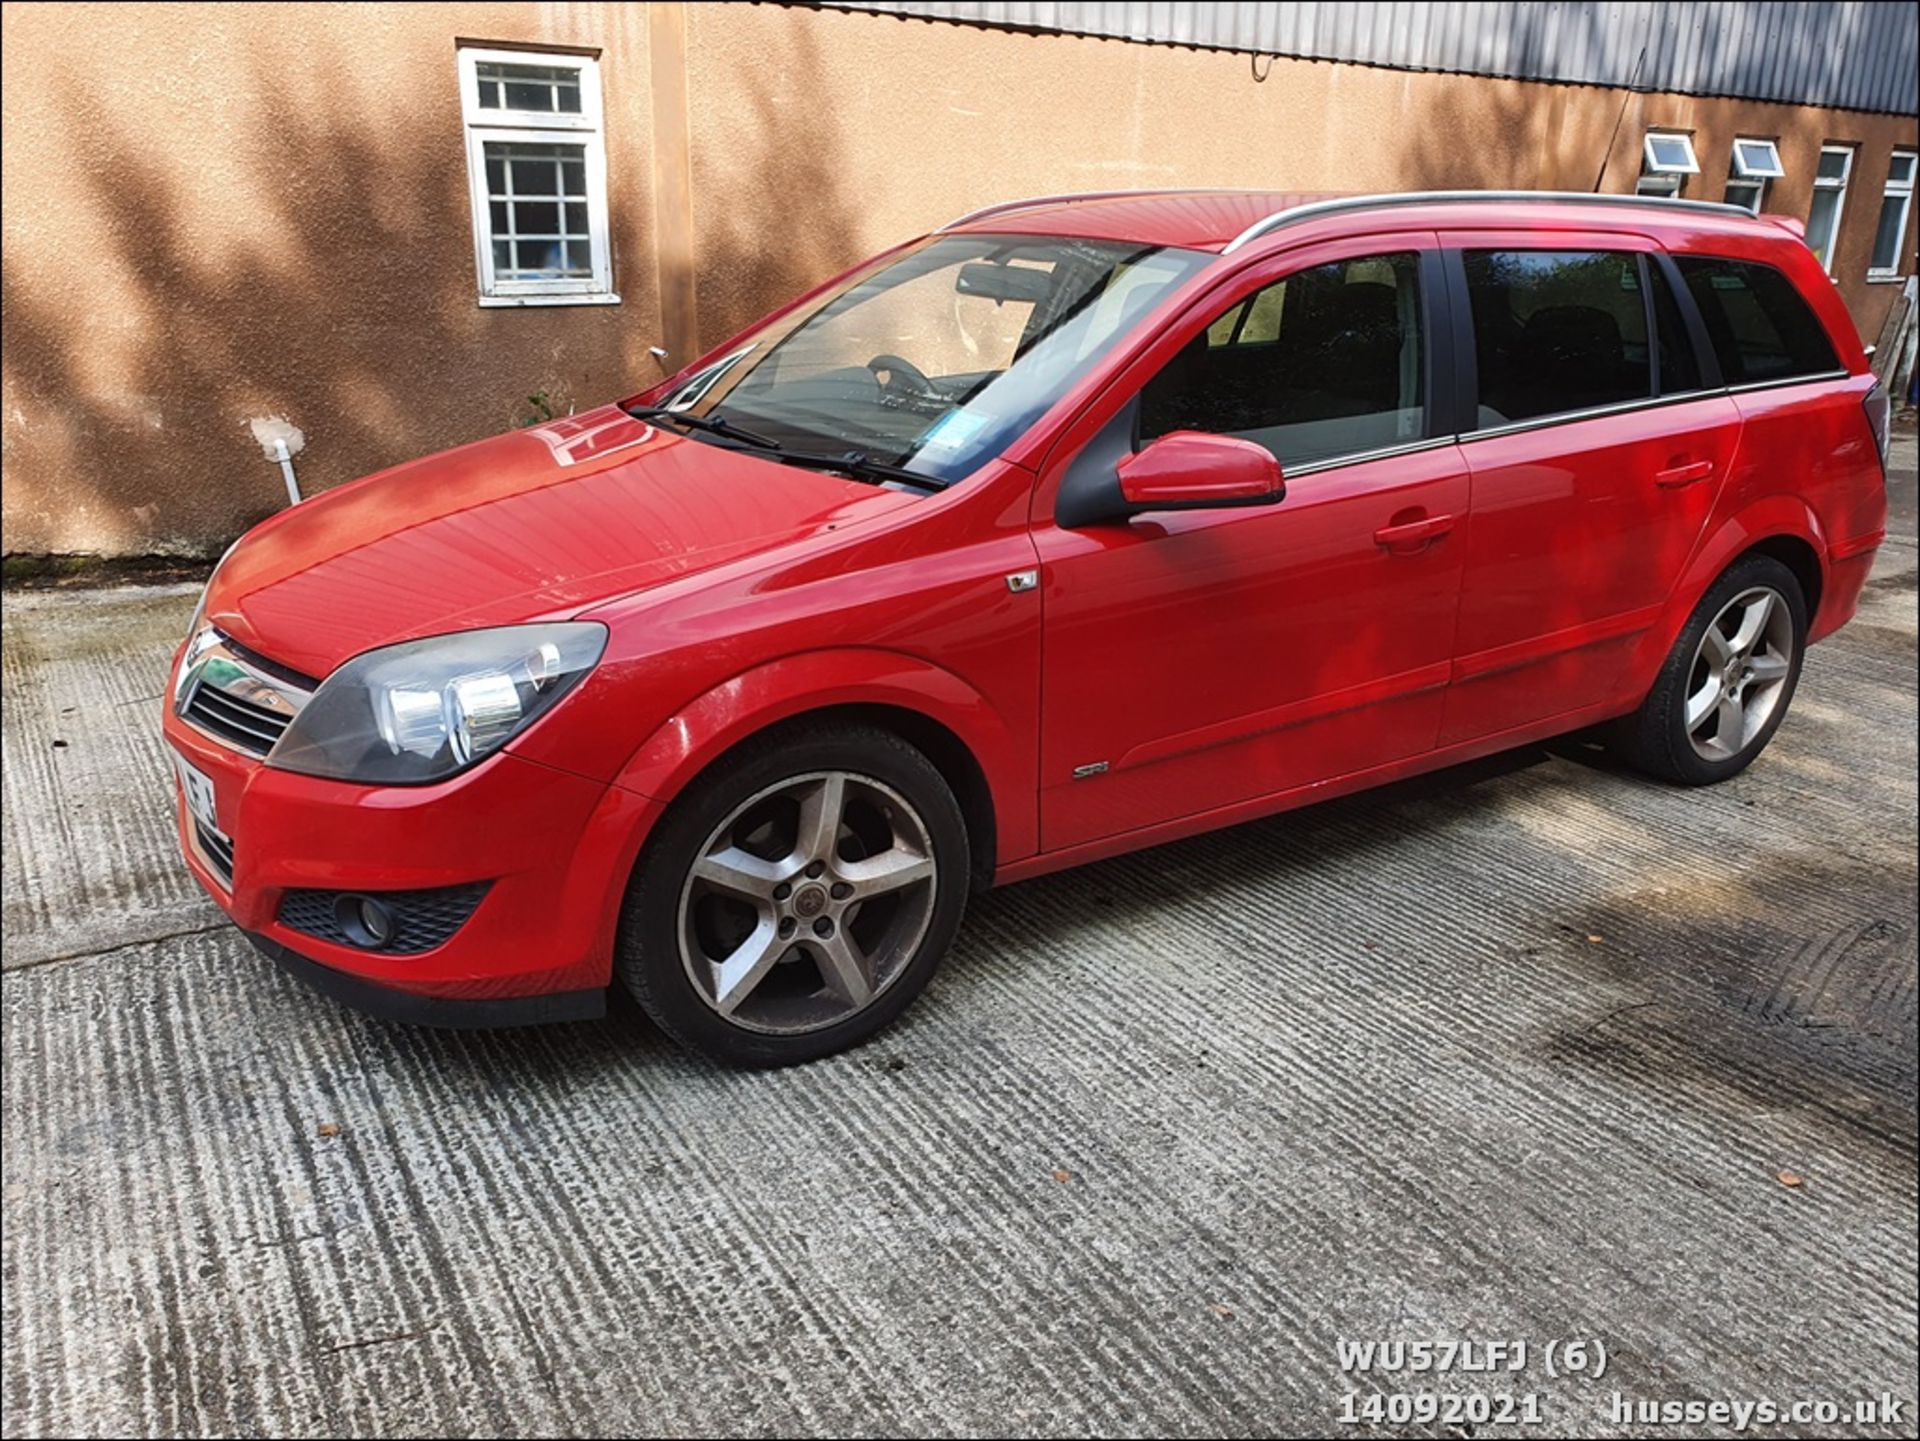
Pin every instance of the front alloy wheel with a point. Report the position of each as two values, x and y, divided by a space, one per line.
807 902
796 897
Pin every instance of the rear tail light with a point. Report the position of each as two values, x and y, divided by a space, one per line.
1880 418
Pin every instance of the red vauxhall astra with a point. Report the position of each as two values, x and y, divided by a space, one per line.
1079 525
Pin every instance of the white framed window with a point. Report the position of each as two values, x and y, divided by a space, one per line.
1755 162
1896 204
1667 159
537 172
1829 199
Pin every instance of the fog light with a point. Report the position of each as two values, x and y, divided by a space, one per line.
366 922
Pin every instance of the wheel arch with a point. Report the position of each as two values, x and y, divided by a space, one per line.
928 707
1782 526
1798 555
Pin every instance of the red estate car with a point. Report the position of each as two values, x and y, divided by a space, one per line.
1079 525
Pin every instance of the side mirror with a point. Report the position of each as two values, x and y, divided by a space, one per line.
1193 470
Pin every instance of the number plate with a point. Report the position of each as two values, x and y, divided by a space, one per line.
198 789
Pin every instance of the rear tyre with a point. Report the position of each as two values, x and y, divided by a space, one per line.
795 900
1726 685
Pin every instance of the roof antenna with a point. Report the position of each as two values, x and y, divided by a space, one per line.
1619 119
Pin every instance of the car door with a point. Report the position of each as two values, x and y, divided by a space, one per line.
1596 444
1196 659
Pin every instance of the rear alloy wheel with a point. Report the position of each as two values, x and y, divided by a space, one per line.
794 903
1727 682
1740 673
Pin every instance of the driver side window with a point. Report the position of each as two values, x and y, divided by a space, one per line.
1325 363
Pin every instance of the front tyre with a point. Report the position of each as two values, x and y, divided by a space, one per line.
1726 685
795 899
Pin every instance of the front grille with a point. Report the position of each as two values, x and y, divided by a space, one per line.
250 727
424 919
216 850
236 696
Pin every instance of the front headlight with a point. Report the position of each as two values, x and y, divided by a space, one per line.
424 710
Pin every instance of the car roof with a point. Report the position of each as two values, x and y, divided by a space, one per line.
1225 220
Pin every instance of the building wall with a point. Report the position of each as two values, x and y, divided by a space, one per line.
224 211
215 212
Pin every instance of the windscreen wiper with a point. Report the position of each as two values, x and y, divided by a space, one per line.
711 425
856 464
853 462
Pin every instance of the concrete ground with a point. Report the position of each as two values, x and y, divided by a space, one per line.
1528 1051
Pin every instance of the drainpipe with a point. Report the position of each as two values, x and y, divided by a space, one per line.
285 457
281 441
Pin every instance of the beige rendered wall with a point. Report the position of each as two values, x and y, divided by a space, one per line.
269 203
217 211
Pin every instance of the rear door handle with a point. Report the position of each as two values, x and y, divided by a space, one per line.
1412 536
1676 476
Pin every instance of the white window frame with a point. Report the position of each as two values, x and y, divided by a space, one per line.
1659 177
537 127
1755 163
1902 190
1768 166
1840 184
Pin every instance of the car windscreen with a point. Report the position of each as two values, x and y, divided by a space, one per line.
940 358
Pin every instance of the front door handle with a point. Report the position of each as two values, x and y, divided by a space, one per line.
1410 537
1675 476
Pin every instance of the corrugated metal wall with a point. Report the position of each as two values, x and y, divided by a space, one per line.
1857 55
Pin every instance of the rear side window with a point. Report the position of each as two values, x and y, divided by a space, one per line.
1759 325
1324 363
1557 331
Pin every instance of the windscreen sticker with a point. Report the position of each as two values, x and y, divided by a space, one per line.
955 430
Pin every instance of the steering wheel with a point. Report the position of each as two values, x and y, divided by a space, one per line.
904 381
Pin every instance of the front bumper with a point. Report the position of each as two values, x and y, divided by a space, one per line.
556 848
386 1004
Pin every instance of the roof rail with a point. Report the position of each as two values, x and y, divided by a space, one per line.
1294 214
1006 207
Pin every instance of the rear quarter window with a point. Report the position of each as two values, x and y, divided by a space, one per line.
1760 326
